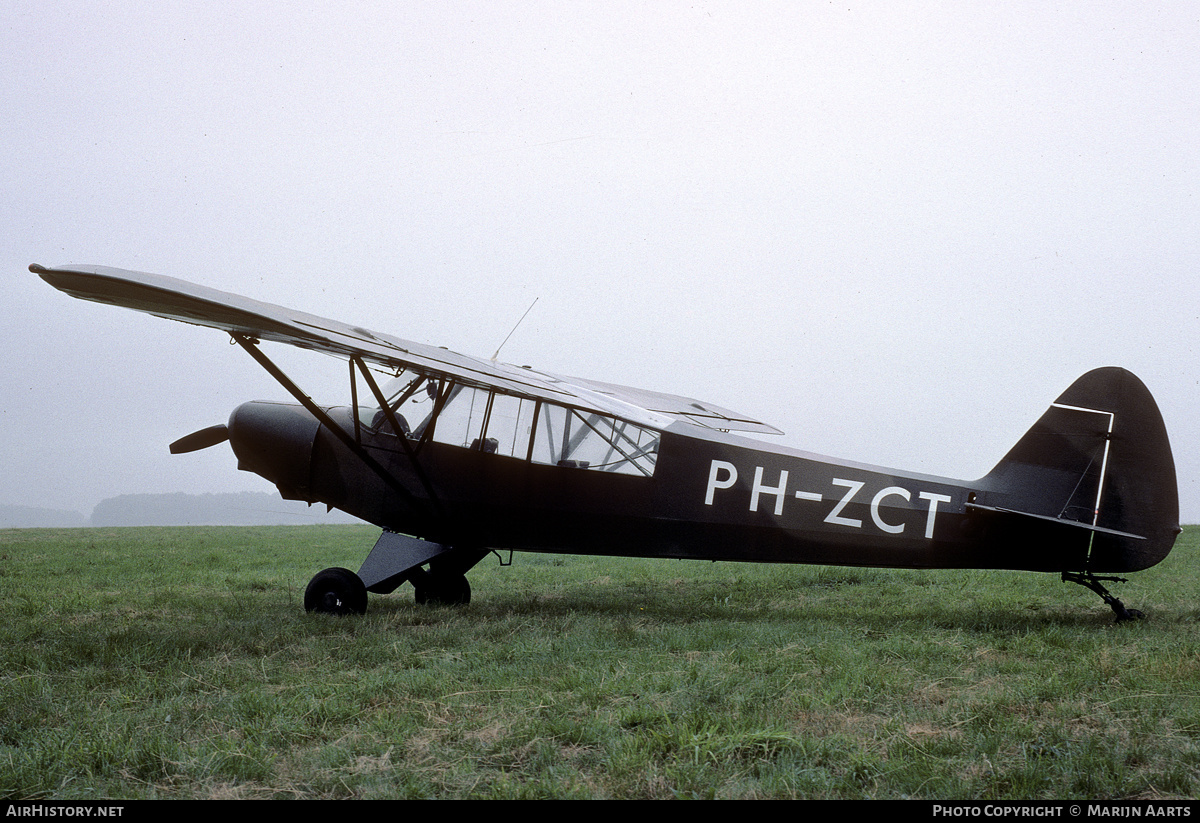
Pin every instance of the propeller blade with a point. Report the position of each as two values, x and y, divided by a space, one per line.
201 439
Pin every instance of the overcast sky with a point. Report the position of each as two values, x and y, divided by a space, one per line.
897 231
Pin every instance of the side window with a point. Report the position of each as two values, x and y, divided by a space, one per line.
461 420
509 425
582 440
486 421
494 423
552 438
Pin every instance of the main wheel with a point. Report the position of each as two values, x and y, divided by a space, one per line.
443 590
336 591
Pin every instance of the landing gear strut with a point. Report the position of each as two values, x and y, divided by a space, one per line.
1091 581
395 559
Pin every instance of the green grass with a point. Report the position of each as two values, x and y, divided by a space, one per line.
179 663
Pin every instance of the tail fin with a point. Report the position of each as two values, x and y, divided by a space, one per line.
1098 463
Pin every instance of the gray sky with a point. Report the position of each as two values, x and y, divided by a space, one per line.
897 231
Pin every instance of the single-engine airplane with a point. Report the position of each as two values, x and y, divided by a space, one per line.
456 457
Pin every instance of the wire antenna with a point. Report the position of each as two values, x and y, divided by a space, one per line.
514 328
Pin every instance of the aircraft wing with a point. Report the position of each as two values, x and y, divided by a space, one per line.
203 306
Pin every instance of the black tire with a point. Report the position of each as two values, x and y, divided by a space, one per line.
336 591
443 590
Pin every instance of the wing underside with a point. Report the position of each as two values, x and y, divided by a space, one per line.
190 303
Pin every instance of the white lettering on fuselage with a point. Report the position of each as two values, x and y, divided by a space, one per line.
759 488
888 527
723 475
714 480
933 499
835 516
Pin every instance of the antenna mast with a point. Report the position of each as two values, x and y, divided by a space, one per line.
514 328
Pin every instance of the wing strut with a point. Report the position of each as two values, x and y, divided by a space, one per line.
251 347
390 414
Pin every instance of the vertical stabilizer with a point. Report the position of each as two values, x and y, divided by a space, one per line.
1098 458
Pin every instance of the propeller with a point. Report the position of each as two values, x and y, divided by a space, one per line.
201 439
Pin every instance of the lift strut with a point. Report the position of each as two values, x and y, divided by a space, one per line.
251 347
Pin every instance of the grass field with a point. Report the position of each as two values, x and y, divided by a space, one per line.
179 663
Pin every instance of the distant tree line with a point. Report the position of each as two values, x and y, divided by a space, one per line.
177 509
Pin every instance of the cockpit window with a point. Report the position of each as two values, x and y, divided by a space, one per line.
519 427
411 398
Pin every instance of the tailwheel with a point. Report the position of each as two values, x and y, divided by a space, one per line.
1093 582
442 589
336 591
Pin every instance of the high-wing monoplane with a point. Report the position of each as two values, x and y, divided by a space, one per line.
455 457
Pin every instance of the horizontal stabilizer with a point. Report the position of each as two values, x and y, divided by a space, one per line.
1059 520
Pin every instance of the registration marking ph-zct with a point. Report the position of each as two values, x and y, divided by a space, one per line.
723 474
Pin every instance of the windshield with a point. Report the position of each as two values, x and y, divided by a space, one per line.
410 396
